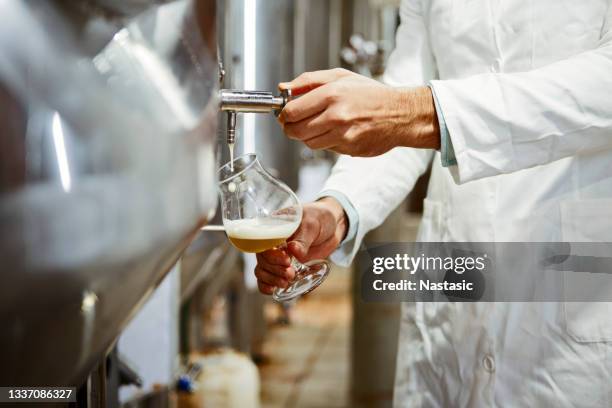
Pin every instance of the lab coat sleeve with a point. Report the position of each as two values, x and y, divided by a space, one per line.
447 153
374 186
377 185
344 249
504 122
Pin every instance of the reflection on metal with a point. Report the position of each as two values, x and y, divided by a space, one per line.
250 68
60 152
107 170
234 101
89 302
253 101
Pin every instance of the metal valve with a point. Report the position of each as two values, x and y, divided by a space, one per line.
234 101
253 101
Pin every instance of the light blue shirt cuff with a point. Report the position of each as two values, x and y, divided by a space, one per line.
351 215
447 152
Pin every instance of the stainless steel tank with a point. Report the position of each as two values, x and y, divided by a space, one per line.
108 125
375 326
318 34
257 48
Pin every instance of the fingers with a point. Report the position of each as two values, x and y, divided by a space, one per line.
269 278
281 271
308 128
273 270
324 250
310 80
316 96
303 238
327 140
308 105
274 257
274 266
265 288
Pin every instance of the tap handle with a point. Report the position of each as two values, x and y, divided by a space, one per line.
286 97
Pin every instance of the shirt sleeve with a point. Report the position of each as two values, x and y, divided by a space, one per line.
447 153
346 246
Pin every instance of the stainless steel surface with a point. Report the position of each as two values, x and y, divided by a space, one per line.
375 325
257 48
252 101
211 267
231 128
107 171
368 36
125 7
373 19
207 256
234 101
318 34
375 328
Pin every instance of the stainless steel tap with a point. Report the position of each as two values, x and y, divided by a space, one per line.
235 101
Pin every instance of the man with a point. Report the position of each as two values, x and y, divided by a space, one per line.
516 95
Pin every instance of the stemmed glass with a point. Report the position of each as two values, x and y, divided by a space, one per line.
260 213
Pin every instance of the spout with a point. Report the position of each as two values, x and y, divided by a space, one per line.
234 101
231 127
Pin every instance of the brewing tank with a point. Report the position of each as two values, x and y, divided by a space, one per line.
107 170
257 49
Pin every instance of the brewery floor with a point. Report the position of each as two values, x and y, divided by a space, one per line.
307 361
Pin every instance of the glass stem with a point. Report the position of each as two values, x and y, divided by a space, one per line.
299 268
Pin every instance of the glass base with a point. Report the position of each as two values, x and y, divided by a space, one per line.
306 281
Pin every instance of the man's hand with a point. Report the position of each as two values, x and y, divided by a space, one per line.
352 114
323 227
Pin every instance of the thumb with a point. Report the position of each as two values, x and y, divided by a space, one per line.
300 243
310 80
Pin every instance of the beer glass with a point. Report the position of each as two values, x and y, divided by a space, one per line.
260 213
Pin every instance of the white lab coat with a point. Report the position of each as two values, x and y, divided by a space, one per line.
526 91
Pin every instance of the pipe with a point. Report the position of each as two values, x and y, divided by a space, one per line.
234 101
253 101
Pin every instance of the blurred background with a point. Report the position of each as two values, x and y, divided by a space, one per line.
111 137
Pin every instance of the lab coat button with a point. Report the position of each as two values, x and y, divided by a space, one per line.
488 363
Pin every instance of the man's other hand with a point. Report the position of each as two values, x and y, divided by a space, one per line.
323 227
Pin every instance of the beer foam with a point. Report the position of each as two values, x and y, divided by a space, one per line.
260 228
